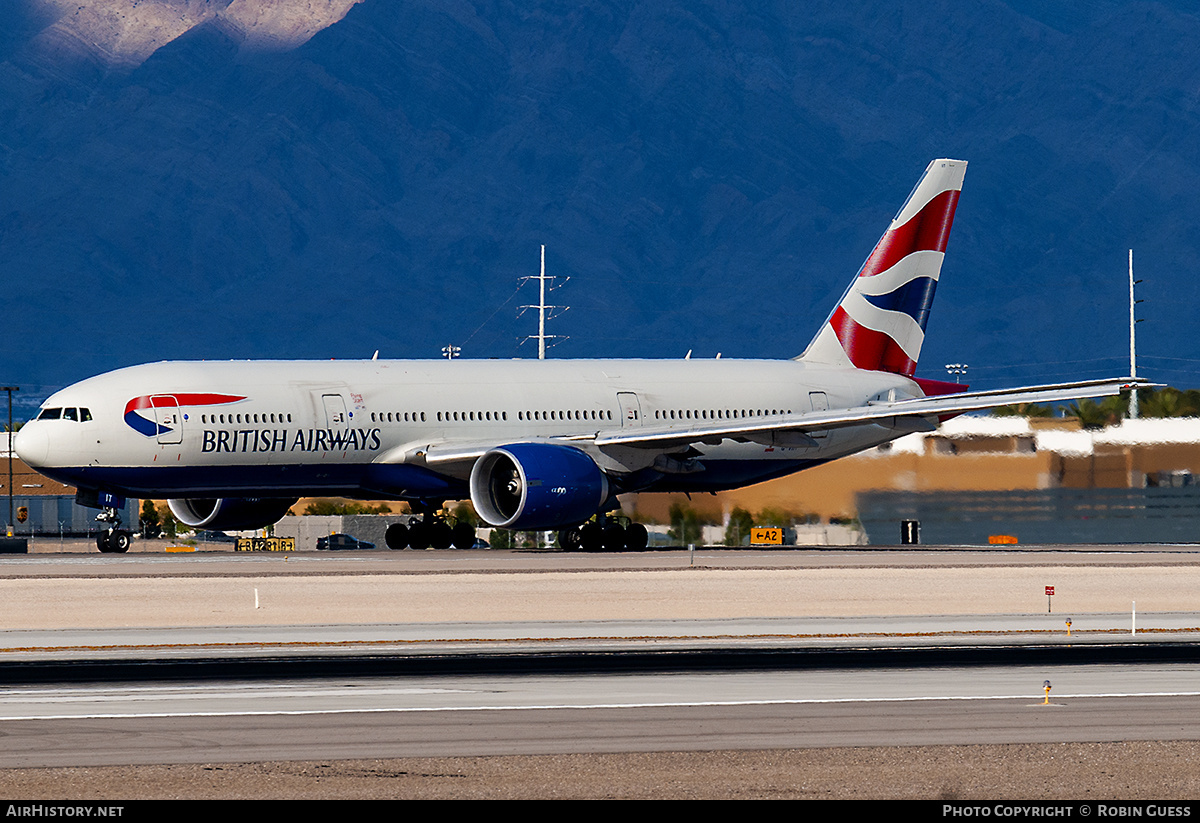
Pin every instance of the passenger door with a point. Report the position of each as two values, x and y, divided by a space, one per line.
819 402
631 409
335 411
168 418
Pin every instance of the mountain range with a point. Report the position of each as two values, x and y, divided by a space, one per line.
238 179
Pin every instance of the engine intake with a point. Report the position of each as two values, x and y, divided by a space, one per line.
537 486
229 514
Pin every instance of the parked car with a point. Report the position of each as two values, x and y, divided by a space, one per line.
342 541
214 537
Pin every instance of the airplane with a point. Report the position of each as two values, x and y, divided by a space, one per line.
533 444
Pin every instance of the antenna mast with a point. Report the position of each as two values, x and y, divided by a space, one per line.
542 308
1133 321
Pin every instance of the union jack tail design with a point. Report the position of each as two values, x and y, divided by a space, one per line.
879 324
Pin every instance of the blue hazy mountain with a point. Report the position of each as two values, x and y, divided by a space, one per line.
709 175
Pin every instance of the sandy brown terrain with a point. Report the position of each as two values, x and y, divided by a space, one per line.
1089 771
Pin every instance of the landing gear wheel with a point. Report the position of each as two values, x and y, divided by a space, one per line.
440 535
463 536
613 538
570 539
114 541
636 537
418 535
118 541
589 537
396 536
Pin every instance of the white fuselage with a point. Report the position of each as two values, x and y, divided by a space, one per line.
288 428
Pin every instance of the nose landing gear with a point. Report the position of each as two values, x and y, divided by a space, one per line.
114 539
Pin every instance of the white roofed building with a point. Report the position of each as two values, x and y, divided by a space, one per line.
978 453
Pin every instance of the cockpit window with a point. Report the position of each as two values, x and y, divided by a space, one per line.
78 415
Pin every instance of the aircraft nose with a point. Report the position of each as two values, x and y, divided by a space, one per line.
32 444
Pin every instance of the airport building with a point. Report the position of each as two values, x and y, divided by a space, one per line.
1036 480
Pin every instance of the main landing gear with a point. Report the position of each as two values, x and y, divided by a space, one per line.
114 539
431 531
606 534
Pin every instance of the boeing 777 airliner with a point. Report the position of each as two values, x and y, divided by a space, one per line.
534 444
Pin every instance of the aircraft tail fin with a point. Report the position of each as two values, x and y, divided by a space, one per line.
879 324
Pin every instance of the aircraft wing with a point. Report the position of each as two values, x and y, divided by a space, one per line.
909 415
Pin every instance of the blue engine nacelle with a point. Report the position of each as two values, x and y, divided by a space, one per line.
537 486
229 514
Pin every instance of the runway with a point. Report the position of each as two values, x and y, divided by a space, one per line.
112 724
743 649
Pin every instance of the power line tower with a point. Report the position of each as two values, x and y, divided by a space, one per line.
545 312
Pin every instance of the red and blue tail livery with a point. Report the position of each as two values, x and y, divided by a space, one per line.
165 410
879 325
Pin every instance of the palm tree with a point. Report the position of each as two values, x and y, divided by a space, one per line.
1166 402
1090 413
740 523
687 525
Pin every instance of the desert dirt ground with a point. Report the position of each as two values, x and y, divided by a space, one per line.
1089 771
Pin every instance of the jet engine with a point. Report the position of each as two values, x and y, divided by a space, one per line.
229 514
537 486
